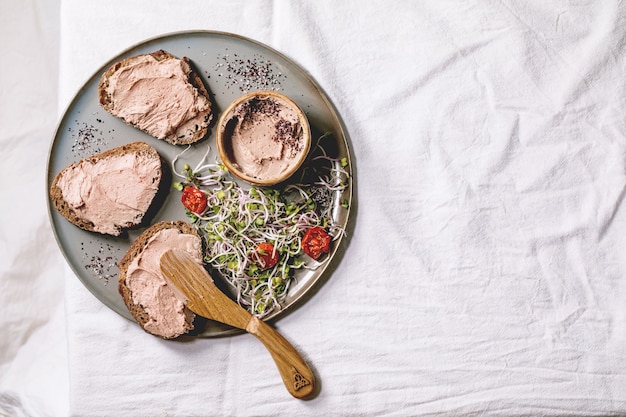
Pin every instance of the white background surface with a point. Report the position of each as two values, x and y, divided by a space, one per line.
484 271
33 353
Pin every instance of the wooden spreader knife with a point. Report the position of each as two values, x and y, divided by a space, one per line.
203 297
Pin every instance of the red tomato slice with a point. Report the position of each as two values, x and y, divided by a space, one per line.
265 255
194 199
315 242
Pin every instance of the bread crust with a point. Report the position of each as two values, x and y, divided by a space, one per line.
140 148
179 137
136 248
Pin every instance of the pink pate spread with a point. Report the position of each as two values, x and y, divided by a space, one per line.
149 287
266 137
156 96
113 193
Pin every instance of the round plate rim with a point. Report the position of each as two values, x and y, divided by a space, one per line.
338 120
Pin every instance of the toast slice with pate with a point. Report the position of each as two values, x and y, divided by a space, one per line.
109 192
144 289
159 94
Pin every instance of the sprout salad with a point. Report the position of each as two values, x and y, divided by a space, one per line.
241 224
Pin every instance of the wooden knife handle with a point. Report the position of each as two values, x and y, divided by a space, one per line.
296 374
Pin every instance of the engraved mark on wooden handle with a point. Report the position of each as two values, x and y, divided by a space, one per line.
299 381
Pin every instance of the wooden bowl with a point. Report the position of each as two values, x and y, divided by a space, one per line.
263 137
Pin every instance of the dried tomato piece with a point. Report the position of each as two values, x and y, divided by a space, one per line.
316 242
265 255
194 199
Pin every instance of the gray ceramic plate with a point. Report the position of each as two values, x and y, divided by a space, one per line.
230 66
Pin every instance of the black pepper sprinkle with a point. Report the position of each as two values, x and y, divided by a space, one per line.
321 197
260 106
88 139
102 265
287 133
247 74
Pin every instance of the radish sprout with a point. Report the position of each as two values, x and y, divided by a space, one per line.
238 218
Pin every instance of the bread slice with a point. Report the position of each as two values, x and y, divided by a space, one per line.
140 312
78 204
136 91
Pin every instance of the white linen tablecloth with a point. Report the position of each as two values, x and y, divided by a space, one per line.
483 271
33 352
